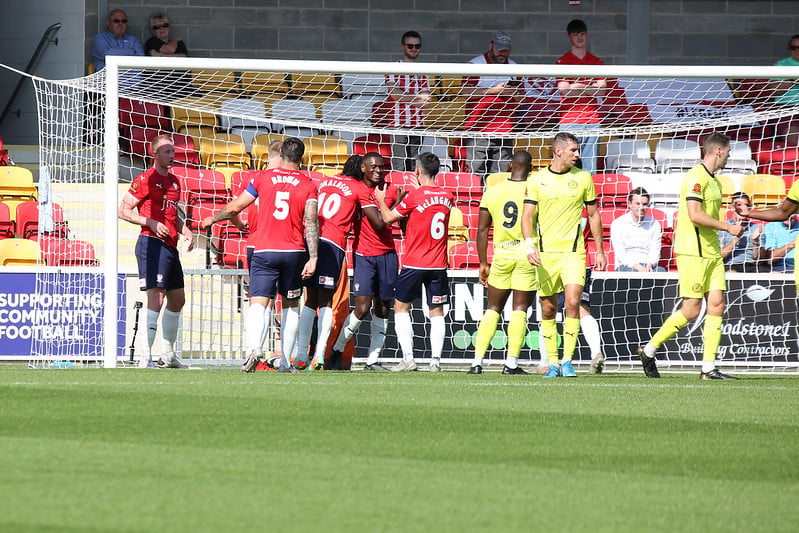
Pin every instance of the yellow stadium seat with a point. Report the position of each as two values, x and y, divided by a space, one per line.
219 81
763 189
539 148
16 183
224 149
19 252
457 230
315 88
445 114
325 151
447 87
185 113
727 188
263 83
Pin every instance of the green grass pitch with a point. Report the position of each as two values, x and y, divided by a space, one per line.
215 450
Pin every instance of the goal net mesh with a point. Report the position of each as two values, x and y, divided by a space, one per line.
647 131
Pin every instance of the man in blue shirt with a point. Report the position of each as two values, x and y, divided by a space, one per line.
115 41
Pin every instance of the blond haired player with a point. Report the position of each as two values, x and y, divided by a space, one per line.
556 195
700 266
502 206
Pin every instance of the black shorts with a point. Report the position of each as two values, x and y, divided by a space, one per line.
375 275
411 281
277 272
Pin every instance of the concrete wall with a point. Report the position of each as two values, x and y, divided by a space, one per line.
710 32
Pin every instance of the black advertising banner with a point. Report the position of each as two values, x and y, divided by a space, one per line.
760 320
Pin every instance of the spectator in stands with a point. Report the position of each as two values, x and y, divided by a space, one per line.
579 108
426 211
152 203
742 253
161 44
636 236
779 238
408 93
116 41
789 93
491 103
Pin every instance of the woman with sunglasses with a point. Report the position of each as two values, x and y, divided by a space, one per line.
160 43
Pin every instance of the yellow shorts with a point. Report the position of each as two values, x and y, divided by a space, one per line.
559 269
513 272
698 275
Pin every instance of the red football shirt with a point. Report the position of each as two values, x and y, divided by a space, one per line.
427 209
580 109
407 115
369 242
158 199
341 200
282 195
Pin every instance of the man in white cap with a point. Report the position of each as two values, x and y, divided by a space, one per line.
491 103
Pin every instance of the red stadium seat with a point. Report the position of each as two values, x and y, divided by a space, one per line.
612 189
203 192
67 252
7 227
28 221
661 217
374 143
467 187
590 250
608 215
230 245
463 255
140 113
776 158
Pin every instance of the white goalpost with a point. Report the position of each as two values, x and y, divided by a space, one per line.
94 135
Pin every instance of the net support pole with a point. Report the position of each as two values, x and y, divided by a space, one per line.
111 298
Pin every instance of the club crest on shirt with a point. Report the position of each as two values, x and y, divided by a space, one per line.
697 188
697 287
572 184
134 186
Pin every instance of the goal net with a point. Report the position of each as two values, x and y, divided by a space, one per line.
645 126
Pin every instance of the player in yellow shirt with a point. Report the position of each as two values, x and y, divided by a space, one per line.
502 206
700 266
556 195
787 207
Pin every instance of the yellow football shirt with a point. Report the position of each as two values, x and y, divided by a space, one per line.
505 201
559 200
689 238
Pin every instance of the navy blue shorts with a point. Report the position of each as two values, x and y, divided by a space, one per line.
277 272
250 251
159 264
411 280
375 275
328 266
584 298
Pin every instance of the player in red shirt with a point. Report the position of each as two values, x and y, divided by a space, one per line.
285 253
341 200
579 108
375 269
427 211
152 203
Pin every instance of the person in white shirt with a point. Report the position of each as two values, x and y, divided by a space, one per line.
636 236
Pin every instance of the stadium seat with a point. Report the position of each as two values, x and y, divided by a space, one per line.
740 159
777 159
628 155
357 85
259 84
186 112
224 149
28 221
445 114
19 252
591 250
496 177
215 81
325 151
447 87
4 160
239 181
16 183
7 226
471 218
185 151
763 189
467 187
677 155
57 251
662 217
374 143
289 110
463 255
612 189
398 177
789 181
229 244
727 187
316 88
608 214
456 229
245 117
140 113
203 192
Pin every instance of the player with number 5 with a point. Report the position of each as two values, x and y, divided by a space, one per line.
425 262
285 249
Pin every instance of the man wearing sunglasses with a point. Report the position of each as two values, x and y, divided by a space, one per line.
116 41
407 95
